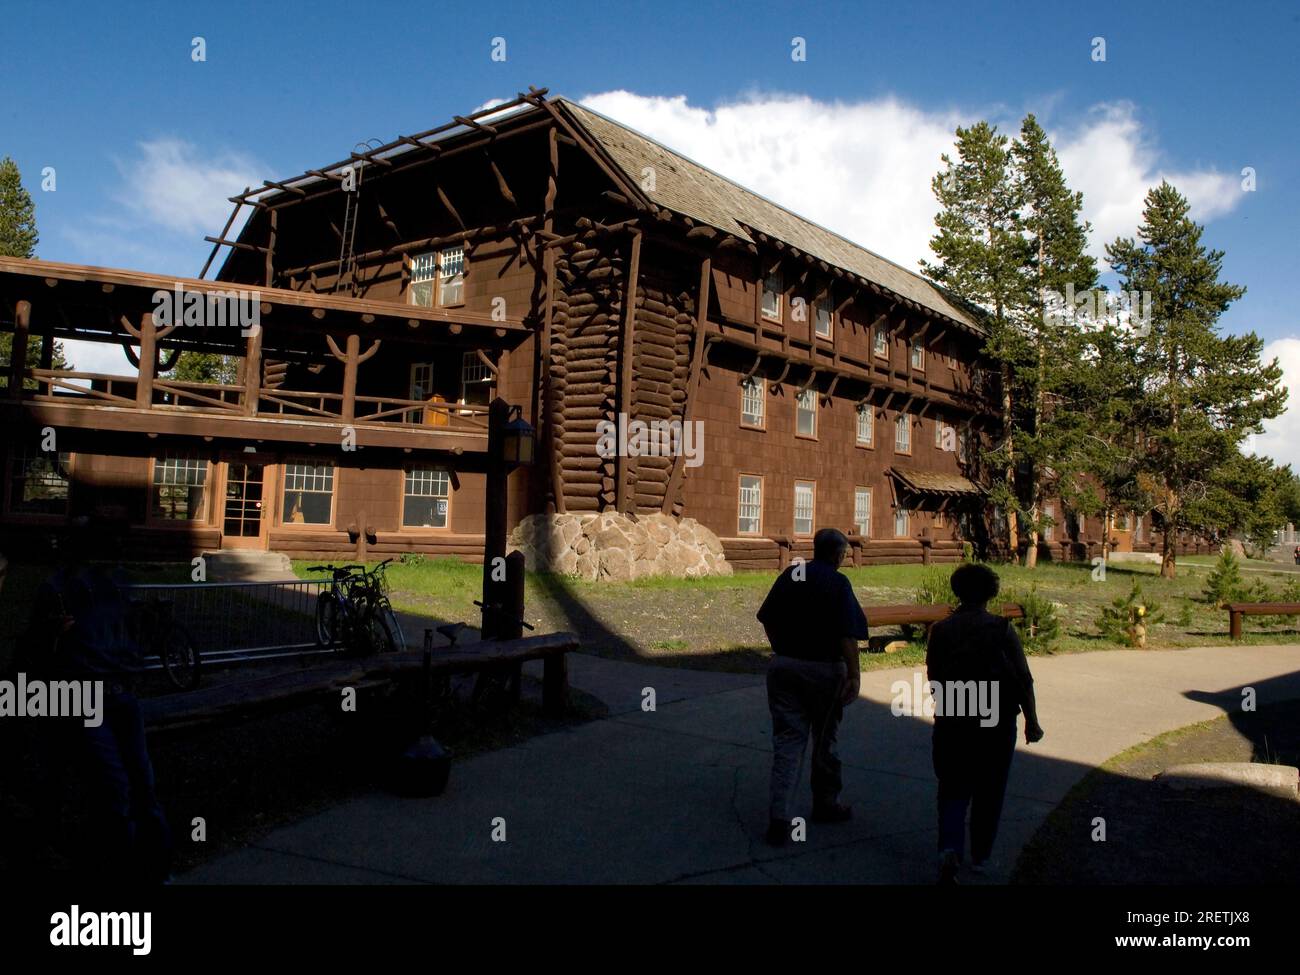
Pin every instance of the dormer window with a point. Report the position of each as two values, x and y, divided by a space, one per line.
773 287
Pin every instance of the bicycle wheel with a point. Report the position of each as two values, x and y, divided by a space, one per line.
180 659
381 632
328 626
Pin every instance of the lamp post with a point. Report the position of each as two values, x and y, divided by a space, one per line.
511 442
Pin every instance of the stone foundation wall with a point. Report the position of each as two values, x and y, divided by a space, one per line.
614 547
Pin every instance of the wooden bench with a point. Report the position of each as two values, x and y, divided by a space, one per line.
915 613
259 693
1237 613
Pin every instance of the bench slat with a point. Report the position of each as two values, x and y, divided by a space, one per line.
918 614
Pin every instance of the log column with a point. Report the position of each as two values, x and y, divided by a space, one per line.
252 371
623 467
18 350
148 336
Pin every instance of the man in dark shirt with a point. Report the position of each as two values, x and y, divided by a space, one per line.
813 622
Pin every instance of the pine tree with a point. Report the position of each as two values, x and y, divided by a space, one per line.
981 254
18 238
1201 393
1058 263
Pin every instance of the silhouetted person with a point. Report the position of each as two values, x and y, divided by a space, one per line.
1296 553
813 622
79 632
972 752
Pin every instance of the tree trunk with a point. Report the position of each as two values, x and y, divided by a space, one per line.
1013 534
1031 552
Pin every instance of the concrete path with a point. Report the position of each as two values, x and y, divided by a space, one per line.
679 794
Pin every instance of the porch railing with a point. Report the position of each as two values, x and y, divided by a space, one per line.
65 385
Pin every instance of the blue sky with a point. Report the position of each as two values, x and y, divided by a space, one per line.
146 143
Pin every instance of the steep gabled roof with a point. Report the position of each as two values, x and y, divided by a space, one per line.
687 188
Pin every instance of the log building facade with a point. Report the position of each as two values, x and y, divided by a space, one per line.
536 252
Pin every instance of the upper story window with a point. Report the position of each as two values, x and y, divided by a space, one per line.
822 320
179 488
438 278
866 426
308 497
805 409
1049 528
40 482
475 380
773 287
903 434
917 354
753 401
945 436
963 445
880 343
750 520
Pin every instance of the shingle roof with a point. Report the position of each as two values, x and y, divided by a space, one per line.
932 482
690 189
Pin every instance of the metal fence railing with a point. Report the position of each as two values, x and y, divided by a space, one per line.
232 621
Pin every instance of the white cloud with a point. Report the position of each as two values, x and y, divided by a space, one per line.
1281 437
176 185
863 169
1113 163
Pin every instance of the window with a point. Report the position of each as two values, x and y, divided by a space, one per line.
1137 527
40 483
444 271
823 319
903 434
426 494
1123 521
866 426
772 289
179 489
881 343
308 494
421 388
423 269
451 281
917 354
902 523
1049 529
750 521
945 436
804 492
475 380
806 413
862 511
752 401
963 446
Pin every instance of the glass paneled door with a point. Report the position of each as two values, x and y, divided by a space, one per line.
247 493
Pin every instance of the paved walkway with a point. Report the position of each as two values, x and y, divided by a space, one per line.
679 794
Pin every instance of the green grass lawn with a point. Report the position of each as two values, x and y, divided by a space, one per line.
710 622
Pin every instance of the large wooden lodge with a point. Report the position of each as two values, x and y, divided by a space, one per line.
536 252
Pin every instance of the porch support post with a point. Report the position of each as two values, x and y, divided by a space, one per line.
352 359
148 360
18 350
252 370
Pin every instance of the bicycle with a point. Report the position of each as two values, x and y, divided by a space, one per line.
151 624
355 611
